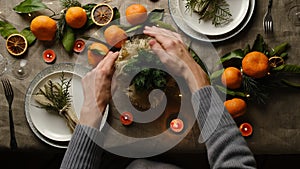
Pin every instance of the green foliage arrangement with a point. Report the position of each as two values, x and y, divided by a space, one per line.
258 89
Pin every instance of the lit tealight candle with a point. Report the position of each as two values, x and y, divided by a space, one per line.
126 118
246 129
79 46
176 125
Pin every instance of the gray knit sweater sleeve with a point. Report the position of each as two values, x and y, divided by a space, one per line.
83 152
225 145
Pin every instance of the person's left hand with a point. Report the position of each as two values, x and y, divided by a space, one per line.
97 91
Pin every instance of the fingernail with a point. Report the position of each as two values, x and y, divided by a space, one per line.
152 42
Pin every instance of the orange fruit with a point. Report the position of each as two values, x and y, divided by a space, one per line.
76 17
115 36
236 107
102 14
96 52
255 64
43 27
136 14
16 44
232 78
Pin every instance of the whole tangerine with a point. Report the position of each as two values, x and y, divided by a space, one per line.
232 78
255 64
236 107
136 14
115 36
76 17
43 27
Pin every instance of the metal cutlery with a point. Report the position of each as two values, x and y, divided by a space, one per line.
9 94
268 21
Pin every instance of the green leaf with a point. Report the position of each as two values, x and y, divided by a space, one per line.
7 29
237 54
134 28
162 24
29 6
278 50
98 52
216 74
230 92
68 39
292 84
156 15
259 44
88 8
287 69
28 35
117 16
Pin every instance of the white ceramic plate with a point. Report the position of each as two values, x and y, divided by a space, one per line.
49 127
178 18
238 9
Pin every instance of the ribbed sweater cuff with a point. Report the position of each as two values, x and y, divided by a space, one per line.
209 111
83 149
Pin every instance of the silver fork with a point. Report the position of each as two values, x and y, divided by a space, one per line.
268 21
9 94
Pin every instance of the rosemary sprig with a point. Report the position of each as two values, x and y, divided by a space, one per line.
215 10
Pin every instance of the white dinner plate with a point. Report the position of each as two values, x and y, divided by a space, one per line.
50 127
179 20
238 9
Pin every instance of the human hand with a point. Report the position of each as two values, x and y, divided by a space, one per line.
172 51
97 91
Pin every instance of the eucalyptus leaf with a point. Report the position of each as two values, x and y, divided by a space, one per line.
7 29
28 35
68 39
29 6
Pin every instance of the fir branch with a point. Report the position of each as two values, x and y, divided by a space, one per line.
69 3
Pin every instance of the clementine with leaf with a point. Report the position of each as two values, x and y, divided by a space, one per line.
96 52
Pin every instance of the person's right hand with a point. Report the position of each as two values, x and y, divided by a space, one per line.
172 51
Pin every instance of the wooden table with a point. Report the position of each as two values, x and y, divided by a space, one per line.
276 124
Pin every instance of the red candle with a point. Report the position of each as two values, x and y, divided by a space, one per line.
176 125
79 46
246 129
126 118
49 55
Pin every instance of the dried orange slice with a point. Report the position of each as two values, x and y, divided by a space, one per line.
102 14
276 61
16 44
